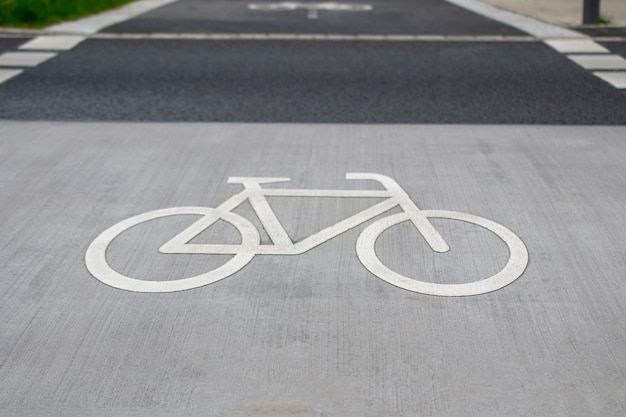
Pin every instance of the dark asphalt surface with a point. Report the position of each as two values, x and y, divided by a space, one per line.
387 17
616 47
307 81
304 81
11 44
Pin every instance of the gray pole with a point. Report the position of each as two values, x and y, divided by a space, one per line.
591 12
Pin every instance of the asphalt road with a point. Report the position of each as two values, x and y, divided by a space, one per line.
616 47
313 82
10 44
136 74
489 131
386 17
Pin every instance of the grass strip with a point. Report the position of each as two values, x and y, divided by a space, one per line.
41 13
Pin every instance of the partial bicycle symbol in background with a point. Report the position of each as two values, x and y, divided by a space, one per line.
250 246
311 8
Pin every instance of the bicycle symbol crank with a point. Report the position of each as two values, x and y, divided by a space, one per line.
394 197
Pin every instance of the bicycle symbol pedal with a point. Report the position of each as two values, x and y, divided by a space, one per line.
250 246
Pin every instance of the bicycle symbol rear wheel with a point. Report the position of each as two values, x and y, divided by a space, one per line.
514 268
96 262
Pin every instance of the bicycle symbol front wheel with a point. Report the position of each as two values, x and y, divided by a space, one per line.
96 262
514 268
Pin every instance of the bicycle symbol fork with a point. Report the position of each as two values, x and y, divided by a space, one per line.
282 244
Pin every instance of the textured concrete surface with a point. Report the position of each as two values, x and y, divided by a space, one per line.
313 334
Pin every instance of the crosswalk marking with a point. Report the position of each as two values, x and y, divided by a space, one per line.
599 62
6 74
577 46
593 56
34 52
616 78
52 43
24 59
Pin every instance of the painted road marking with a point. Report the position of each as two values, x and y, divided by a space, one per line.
8 74
563 40
27 58
578 46
21 59
616 78
592 56
24 59
311 8
250 246
53 43
599 62
313 37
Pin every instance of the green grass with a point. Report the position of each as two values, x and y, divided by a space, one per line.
40 13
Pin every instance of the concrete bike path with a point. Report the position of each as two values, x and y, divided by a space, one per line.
314 334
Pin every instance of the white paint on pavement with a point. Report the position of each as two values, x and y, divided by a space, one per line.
513 269
8 74
592 56
98 266
311 8
86 26
24 59
52 43
523 23
585 52
599 62
616 78
314 37
295 5
394 197
576 46
95 23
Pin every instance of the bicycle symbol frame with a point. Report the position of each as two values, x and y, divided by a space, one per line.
282 244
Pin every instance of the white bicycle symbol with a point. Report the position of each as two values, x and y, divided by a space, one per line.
311 8
395 196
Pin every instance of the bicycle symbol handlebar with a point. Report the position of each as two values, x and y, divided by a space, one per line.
282 244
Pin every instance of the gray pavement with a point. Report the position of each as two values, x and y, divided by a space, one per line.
314 334
118 126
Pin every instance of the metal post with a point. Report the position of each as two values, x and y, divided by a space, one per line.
591 12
